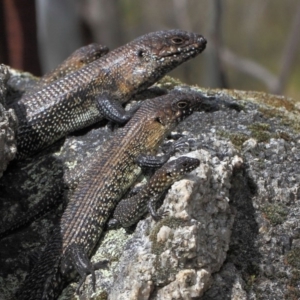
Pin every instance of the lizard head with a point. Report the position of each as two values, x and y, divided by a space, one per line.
175 169
178 105
153 55
170 47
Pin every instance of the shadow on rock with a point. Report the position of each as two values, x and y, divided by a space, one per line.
26 186
242 263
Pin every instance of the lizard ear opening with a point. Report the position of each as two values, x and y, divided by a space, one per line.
140 53
158 119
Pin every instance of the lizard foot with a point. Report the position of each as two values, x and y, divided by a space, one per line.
83 265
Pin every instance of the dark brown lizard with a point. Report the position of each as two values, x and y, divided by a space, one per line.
75 61
130 210
99 89
78 59
110 174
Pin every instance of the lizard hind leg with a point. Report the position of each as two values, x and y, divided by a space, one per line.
76 257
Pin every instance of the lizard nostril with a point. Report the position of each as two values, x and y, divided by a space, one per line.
203 40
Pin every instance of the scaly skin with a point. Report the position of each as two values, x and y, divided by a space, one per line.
108 177
130 210
98 89
78 59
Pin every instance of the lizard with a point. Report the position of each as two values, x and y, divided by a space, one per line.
78 59
130 210
108 177
99 89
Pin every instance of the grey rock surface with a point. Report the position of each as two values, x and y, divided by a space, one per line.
174 258
233 228
8 124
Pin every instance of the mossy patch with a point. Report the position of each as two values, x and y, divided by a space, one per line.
283 135
275 213
102 296
271 106
169 83
262 136
262 98
259 126
237 139
260 131
279 101
250 282
292 122
290 119
270 112
111 245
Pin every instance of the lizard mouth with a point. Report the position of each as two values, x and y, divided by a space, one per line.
185 52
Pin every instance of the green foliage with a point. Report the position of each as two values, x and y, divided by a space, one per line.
275 213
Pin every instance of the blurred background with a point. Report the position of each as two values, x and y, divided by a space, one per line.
252 45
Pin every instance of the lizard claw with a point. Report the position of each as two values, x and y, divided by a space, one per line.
91 270
103 264
158 216
181 145
113 224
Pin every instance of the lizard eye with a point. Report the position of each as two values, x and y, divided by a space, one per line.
169 174
182 104
177 40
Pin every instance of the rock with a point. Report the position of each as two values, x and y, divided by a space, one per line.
8 124
174 258
233 226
